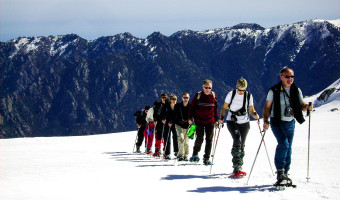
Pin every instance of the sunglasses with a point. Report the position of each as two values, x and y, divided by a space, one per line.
173 99
185 97
163 97
289 77
241 90
207 88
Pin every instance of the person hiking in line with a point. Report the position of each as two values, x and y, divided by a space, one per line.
203 111
141 124
149 130
168 117
181 125
240 103
284 103
158 105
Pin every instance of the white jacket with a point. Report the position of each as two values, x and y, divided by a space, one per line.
149 115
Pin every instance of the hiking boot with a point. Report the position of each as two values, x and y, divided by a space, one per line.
148 151
138 149
280 174
180 158
237 169
167 157
194 159
207 162
282 178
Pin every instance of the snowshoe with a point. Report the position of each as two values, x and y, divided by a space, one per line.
194 159
148 151
238 175
207 162
156 154
180 158
281 186
283 180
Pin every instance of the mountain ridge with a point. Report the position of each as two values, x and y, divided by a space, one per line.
66 85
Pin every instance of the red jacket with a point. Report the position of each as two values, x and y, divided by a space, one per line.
204 110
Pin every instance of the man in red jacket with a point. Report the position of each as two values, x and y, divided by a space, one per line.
203 111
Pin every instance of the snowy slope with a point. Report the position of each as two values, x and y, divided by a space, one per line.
329 97
104 167
335 22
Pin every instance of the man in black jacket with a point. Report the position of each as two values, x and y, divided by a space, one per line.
141 124
284 103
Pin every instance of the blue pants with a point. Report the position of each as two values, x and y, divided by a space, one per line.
284 135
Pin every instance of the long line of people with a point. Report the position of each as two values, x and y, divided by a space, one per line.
284 104
168 119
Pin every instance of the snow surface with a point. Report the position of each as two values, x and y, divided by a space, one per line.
335 22
104 167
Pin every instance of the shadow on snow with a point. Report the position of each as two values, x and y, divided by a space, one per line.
244 189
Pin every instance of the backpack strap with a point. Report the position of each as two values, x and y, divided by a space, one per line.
199 95
214 95
232 97
248 97
244 101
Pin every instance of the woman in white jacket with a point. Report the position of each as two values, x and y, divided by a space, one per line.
240 104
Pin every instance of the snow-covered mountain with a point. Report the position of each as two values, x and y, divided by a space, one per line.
328 99
65 85
104 167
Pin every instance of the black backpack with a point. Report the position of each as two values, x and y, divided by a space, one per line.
139 116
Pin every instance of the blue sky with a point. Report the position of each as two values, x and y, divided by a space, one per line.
91 19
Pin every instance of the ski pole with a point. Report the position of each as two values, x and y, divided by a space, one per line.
162 133
146 138
214 143
134 146
308 114
167 141
213 156
258 122
264 133
215 136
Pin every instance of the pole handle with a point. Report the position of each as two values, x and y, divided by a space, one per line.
308 111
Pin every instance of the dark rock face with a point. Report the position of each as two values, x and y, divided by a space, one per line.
65 85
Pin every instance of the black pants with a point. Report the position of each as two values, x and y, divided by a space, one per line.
168 131
239 134
208 129
140 136
159 130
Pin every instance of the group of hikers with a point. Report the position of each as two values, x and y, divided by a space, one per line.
284 104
